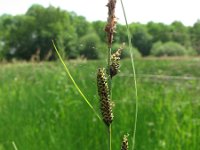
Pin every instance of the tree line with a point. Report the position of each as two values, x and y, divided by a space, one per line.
29 36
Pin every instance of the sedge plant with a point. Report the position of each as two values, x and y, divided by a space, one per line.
105 75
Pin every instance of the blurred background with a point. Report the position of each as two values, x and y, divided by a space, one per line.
41 109
169 28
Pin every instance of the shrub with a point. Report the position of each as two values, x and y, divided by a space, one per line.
89 45
141 39
168 49
191 52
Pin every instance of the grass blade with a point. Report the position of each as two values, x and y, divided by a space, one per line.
73 81
14 145
134 73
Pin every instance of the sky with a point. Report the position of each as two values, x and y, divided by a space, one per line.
143 11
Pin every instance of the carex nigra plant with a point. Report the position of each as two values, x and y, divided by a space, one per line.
106 74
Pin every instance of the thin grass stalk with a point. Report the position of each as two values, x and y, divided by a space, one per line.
110 91
14 145
73 81
108 72
110 137
134 74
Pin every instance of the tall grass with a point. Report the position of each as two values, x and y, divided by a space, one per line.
41 109
134 75
52 115
104 79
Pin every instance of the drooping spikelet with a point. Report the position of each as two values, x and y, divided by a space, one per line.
115 57
124 145
111 21
105 102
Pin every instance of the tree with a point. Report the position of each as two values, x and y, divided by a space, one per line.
82 26
180 34
121 34
141 39
6 22
89 46
18 36
98 27
159 32
56 26
195 36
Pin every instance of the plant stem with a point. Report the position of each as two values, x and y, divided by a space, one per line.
110 91
73 81
108 71
134 73
14 145
110 137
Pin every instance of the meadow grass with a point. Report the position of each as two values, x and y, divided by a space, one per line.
41 109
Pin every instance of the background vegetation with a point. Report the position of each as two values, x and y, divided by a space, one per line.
41 109
26 36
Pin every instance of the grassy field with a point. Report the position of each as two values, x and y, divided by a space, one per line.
41 110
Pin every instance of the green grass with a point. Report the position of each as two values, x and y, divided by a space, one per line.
41 109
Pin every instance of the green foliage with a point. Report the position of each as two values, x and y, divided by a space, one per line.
24 36
159 31
141 39
80 24
89 46
168 49
1 52
37 28
195 36
40 108
180 34
98 27
121 34
57 26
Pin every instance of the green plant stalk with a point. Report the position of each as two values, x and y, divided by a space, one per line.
14 145
73 81
134 74
108 71
110 137
110 92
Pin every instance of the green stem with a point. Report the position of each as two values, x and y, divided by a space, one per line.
110 137
134 73
76 86
108 72
14 145
110 91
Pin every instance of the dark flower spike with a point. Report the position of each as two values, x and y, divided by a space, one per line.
115 62
105 102
124 145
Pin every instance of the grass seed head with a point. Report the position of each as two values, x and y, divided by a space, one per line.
124 145
105 102
111 21
115 62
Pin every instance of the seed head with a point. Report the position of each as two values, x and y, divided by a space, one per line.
111 21
124 145
115 60
105 102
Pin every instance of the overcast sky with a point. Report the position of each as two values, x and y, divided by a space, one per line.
143 11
